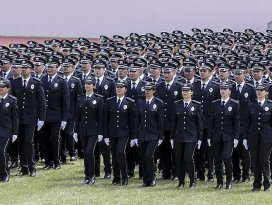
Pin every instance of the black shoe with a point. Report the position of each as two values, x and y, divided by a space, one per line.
153 182
97 174
192 185
115 181
92 181
64 161
236 181
255 189
202 179
219 186
131 175
245 180
47 167
267 189
33 173
107 176
210 179
86 181
22 173
13 165
73 158
57 166
174 178
180 185
5 179
124 182
228 186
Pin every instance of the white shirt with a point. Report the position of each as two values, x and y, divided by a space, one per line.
241 85
262 102
226 100
206 83
4 97
52 77
170 83
100 79
186 102
121 99
68 77
89 95
25 80
136 83
150 100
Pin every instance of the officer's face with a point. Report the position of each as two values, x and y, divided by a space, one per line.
168 76
134 75
99 71
239 77
67 69
38 68
261 94
224 75
65 51
205 74
187 94
89 87
85 66
52 70
16 70
6 67
122 72
189 74
154 72
120 90
114 64
224 92
257 74
26 71
149 93
4 91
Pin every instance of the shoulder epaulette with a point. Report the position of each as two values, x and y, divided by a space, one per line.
12 97
197 102
235 101
177 101
37 79
111 79
110 98
75 77
269 101
216 100
158 99
214 82
98 95
60 77
130 99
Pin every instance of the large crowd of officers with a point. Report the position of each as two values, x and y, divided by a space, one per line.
174 104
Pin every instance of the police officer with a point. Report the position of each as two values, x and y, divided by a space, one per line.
224 133
259 137
245 94
75 90
186 132
57 110
9 125
169 92
31 104
149 132
6 71
205 92
105 87
89 126
119 128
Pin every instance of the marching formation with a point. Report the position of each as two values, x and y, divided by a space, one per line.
174 104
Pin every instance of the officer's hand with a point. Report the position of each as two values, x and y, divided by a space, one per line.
159 142
107 141
132 143
40 125
14 138
245 144
100 138
209 142
199 144
136 142
63 125
172 143
75 136
235 142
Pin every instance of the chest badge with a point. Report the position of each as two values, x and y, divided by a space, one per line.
94 102
154 106
229 109
176 93
72 85
210 90
192 109
125 107
106 87
32 87
56 85
7 104
246 95
266 109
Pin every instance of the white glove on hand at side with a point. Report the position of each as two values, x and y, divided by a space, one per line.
75 136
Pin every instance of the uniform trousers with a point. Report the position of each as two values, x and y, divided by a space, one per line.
4 170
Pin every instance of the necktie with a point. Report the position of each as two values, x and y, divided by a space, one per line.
167 86
222 105
66 78
257 83
239 88
4 74
97 83
188 81
36 76
24 83
84 77
154 81
260 104
147 105
50 81
118 102
203 86
185 106
1 101
133 86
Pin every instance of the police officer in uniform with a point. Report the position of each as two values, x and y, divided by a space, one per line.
75 90
31 103
149 132
9 125
260 137
119 128
224 133
57 110
89 126
186 133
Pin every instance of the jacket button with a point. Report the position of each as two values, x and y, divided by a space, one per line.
117 116
258 128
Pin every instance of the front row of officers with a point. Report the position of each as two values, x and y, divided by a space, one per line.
119 121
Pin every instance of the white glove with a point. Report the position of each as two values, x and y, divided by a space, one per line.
245 144
199 144
63 125
132 143
136 142
235 142
40 125
209 142
172 143
14 138
159 142
107 141
75 136
100 138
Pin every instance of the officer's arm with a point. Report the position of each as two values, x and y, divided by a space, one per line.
174 122
210 132
65 101
160 120
236 122
199 123
78 117
41 102
106 119
132 120
138 121
100 116
15 117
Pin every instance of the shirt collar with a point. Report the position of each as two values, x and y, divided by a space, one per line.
4 97
89 95
187 102
262 102
121 98
226 100
207 82
68 77
150 100
141 76
123 80
100 79
27 79
170 83
52 76
85 74
136 82
241 84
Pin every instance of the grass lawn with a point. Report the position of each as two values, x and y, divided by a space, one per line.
64 186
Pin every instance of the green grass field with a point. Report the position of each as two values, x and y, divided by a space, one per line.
65 186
